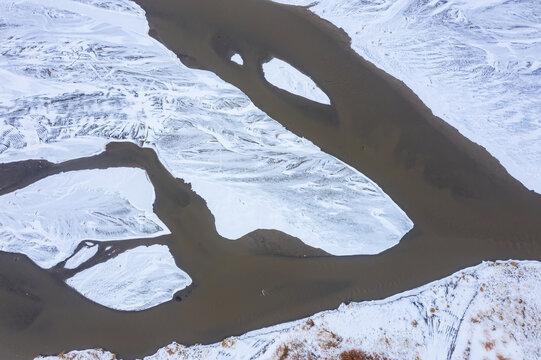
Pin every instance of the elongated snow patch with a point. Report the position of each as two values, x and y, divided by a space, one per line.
47 220
286 77
137 279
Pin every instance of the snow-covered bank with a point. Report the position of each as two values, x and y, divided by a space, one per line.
488 311
286 77
49 218
137 279
475 64
98 74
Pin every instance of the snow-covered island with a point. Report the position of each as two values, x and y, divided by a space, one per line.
123 282
49 218
281 74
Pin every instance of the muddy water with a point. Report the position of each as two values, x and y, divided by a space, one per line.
465 206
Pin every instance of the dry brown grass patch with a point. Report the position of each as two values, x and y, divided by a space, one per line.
359 355
227 343
174 349
283 351
330 344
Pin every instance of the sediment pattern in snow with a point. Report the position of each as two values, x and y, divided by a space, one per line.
137 279
281 74
89 68
49 218
475 64
490 311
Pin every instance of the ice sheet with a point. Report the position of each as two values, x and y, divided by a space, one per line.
137 279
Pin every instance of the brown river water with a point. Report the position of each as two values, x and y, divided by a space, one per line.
466 208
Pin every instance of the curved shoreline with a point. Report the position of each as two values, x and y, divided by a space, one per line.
465 206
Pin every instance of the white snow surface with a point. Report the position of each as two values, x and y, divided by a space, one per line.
476 64
81 256
49 218
137 279
281 74
57 152
88 68
236 58
482 312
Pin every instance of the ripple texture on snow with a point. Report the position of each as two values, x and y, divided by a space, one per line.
281 74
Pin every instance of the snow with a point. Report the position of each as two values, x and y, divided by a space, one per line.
49 218
14 85
137 279
281 74
81 256
475 64
57 152
94 354
236 58
102 77
488 311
